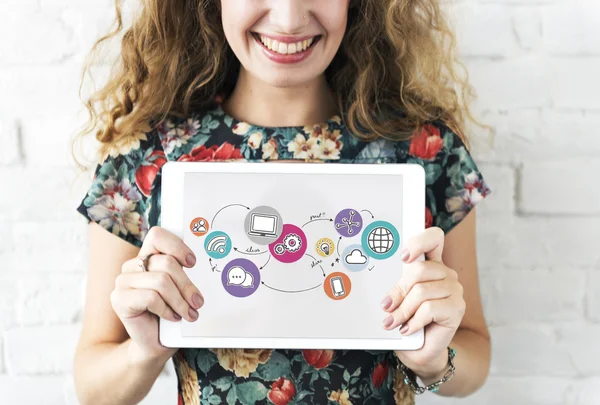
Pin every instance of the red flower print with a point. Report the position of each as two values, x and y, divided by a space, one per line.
317 358
179 399
428 218
427 143
379 374
146 173
215 152
282 391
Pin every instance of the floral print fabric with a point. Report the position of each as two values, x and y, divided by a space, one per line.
124 198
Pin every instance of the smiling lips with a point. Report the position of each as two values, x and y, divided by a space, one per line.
284 50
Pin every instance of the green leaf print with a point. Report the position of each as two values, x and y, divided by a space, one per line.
432 173
231 397
448 140
277 366
346 376
205 359
250 392
223 383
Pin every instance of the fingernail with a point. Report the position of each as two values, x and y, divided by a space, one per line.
193 313
177 317
197 300
387 301
404 254
388 321
404 328
191 259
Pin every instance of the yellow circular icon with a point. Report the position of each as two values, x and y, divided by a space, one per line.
325 247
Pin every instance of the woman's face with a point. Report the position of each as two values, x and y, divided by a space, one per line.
284 42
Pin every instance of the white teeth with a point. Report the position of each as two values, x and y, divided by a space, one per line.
285 48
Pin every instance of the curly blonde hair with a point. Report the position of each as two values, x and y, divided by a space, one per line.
395 69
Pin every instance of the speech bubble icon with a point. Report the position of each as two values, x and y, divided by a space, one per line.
236 276
248 281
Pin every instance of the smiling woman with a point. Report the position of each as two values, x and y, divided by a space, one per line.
354 81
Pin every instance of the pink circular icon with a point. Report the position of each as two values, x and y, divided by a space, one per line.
290 246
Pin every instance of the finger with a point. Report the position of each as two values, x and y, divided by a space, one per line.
446 312
159 240
168 264
413 273
162 283
419 294
129 303
429 242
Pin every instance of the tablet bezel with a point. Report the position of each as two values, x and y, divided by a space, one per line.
173 174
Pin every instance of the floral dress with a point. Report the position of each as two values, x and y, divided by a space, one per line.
124 198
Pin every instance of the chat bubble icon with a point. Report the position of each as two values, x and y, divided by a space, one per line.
236 276
248 281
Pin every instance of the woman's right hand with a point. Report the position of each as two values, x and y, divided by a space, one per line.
165 291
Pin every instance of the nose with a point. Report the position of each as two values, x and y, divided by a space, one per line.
289 16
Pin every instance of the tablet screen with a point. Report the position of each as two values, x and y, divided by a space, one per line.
293 255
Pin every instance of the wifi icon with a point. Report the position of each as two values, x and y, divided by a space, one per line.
217 244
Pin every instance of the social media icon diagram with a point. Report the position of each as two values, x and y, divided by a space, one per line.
240 277
217 245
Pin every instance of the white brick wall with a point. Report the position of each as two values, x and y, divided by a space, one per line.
535 65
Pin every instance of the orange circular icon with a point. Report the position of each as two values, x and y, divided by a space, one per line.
337 285
199 226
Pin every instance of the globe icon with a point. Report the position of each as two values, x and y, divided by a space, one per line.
380 240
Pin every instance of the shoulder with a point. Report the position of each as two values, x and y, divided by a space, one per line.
454 183
123 189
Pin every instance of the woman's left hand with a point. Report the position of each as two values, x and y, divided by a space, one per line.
428 295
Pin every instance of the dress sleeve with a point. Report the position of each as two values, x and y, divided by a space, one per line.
454 184
124 197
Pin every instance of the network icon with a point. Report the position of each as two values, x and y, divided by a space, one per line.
217 244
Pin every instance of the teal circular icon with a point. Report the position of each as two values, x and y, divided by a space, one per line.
217 244
380 239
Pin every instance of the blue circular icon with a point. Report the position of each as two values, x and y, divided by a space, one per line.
217 244
380 240
354 258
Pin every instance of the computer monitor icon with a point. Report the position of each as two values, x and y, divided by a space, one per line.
263 225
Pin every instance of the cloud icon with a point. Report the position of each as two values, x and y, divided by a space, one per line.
356 257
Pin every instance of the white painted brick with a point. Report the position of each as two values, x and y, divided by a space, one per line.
593 296
509 390
585 391
482 30
50 299
530 135
527 26
59 246
9 139
510 84
560 187
42 196
572 28
501 179
581 340
537 340
513 296
43 38
39 390
574 82
558 243
41 350
8 299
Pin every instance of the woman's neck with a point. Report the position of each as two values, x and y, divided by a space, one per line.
259 103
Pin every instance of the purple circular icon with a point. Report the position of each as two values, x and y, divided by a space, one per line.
290 246
348 222
240 277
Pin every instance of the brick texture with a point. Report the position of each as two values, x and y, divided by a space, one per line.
534 65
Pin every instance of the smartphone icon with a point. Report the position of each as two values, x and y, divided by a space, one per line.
337 286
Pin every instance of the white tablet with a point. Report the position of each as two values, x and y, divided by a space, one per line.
292 255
